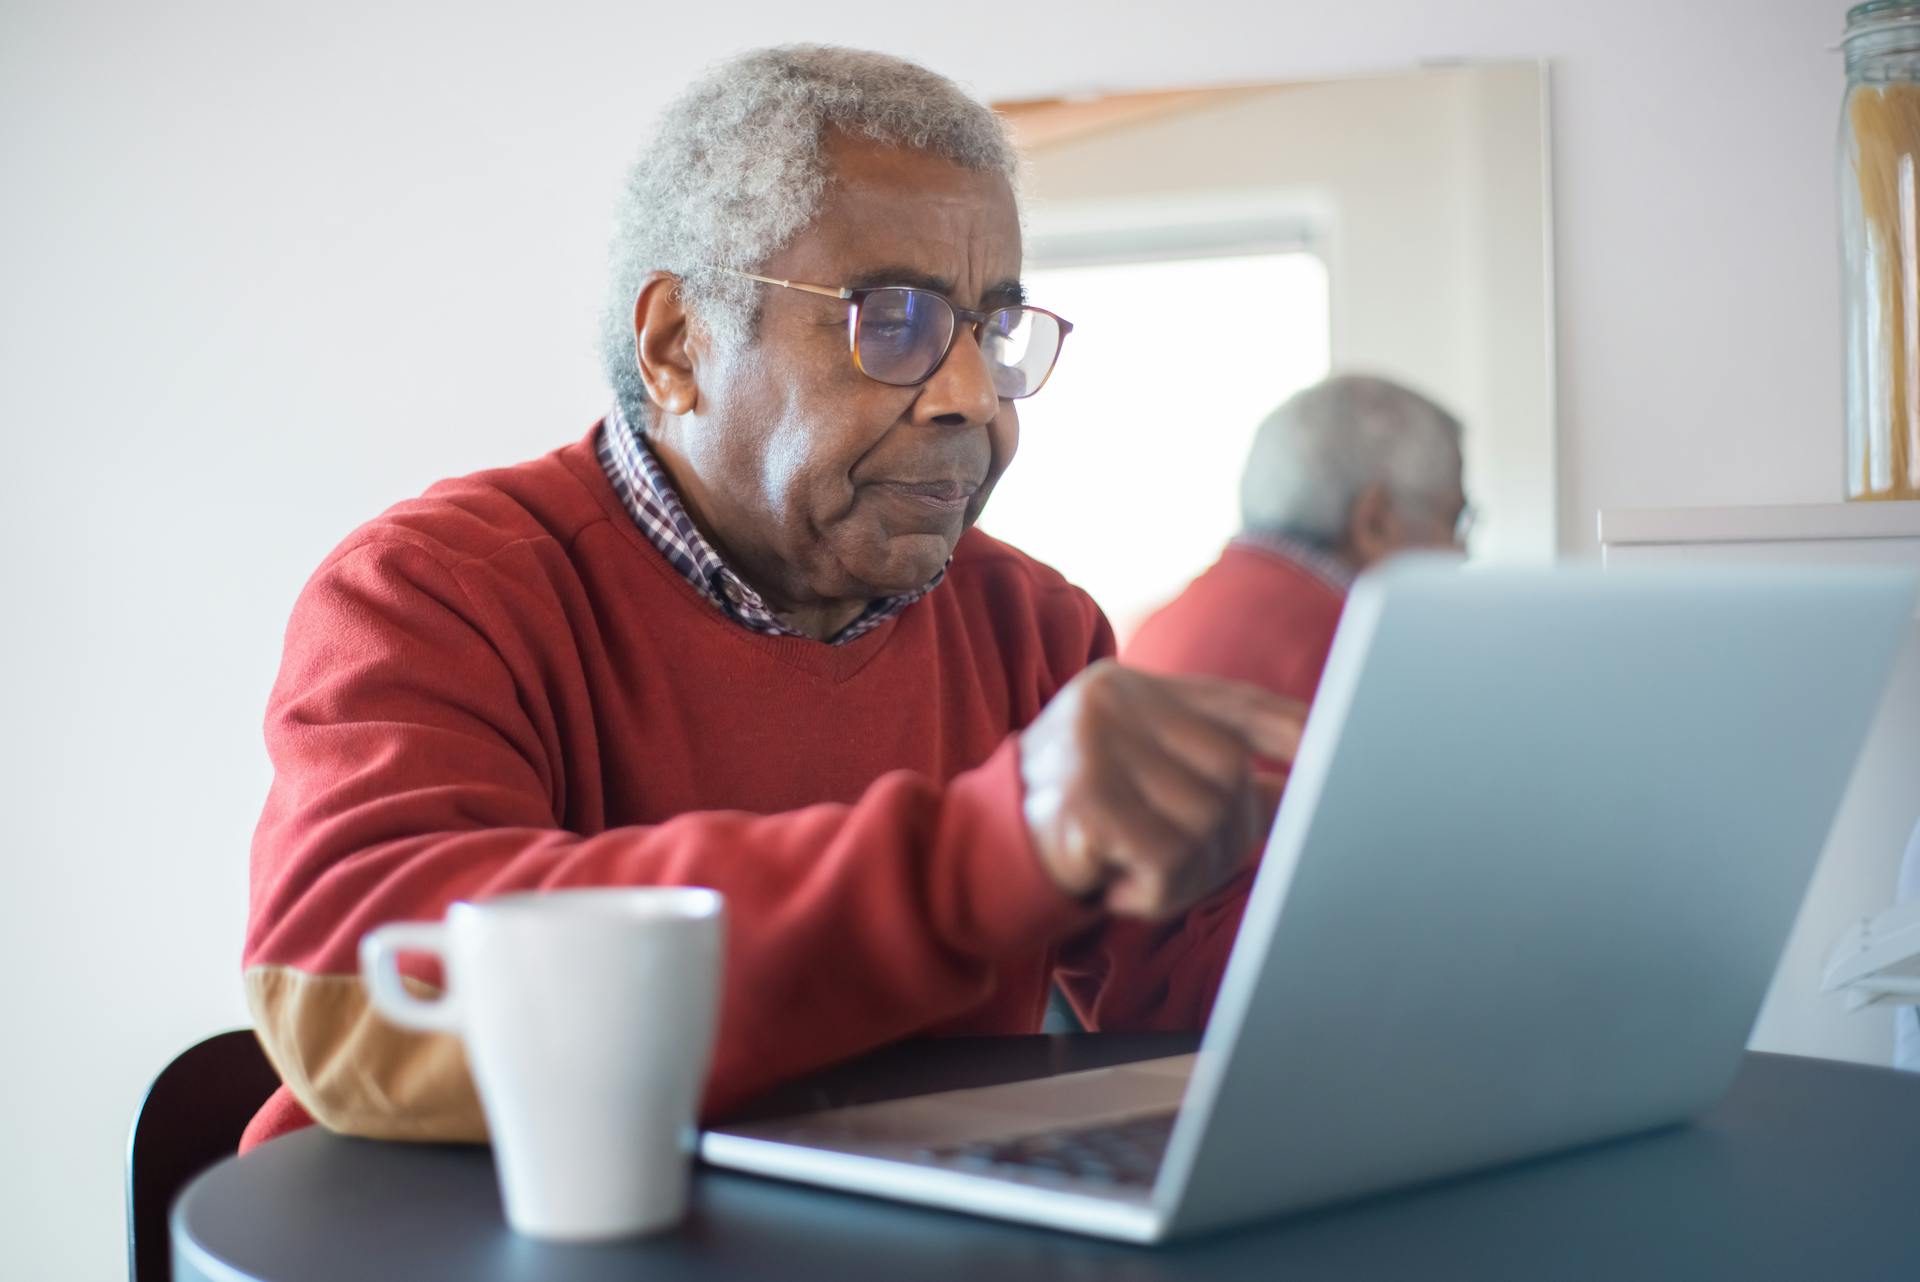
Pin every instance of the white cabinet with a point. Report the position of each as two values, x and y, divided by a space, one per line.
1860 866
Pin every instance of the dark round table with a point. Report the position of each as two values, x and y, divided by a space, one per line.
1807 1170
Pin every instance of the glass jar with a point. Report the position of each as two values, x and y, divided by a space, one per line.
1880 235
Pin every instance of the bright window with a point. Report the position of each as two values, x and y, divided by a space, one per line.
1128 475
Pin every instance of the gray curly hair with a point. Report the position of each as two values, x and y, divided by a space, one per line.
1312 457
737 167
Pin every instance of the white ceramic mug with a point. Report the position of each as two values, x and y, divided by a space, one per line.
588 1018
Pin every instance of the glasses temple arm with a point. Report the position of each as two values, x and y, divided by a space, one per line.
825 291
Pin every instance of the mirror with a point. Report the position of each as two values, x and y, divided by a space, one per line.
1220 248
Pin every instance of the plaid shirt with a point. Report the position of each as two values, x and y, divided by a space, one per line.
1317 561
650 499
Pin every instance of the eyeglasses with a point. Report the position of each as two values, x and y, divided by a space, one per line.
900 335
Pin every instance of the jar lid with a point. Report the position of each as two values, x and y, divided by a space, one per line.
1879 12
1880 29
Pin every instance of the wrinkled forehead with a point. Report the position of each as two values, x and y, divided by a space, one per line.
895 216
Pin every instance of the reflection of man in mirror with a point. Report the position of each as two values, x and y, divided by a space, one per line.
743 635
1344 474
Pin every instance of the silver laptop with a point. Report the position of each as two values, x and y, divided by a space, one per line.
1540 852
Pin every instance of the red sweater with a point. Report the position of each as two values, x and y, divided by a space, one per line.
1253 616
502 685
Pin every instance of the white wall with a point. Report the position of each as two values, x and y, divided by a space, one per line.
264 268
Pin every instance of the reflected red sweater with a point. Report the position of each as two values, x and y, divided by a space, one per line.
1256 615
502 686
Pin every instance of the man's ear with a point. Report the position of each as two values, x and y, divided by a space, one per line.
662 345
1373 527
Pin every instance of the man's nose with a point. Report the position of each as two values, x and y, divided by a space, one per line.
960 393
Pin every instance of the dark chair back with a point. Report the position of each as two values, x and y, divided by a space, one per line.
191 1118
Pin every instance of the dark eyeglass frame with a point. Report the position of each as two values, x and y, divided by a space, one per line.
974 320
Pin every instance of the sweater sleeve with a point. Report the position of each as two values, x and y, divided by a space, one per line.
408 775
1125 975
1271 630
1129 976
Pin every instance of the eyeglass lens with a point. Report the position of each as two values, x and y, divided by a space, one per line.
901 335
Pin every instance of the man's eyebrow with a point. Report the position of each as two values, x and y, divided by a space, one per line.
1005 292
1001 293
901 276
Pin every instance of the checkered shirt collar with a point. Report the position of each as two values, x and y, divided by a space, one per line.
1314 560
653 503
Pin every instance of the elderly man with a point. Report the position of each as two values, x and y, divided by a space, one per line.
1342 475
743 635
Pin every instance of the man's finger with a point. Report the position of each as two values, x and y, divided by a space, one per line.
1169 729
1268 723
1267 790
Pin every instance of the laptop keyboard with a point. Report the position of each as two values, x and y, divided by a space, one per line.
1120 1153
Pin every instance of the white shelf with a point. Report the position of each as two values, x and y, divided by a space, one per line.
1811 522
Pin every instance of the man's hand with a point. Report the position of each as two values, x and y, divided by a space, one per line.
1142 790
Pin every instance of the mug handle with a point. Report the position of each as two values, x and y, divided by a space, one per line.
380 951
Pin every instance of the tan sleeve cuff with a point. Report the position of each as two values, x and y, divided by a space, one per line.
355 1072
